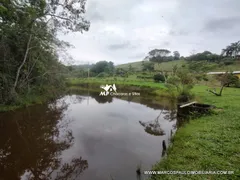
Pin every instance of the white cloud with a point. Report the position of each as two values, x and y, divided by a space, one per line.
123 31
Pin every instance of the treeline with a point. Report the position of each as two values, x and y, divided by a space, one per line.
99 69
228 55
196 63
162 55
29 46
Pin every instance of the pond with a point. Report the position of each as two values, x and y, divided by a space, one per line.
84 136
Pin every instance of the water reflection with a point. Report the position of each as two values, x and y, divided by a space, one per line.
153 127
171 114
44 142
93 94
151 102
32 141
168 107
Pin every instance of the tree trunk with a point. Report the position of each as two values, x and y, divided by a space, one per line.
220 93
22 64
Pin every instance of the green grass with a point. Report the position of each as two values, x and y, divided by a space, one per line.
136 65
166 66
148 87
210 143
233 67
118 81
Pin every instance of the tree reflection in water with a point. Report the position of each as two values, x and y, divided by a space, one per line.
32 141
153 127
92 94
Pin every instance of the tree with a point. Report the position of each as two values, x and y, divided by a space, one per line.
181 82
130 68
147 66
231 50
204 56
110 68
159 78
103 66
29 44
176 55
226 80
158 55
120 72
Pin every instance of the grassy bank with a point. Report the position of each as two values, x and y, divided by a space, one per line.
118 81
168 66
131 84
210 143
28 100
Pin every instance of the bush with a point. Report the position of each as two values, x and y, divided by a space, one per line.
102 74
226 63
183 97
205 78
182 83
199 77
235 81
159 78
144 77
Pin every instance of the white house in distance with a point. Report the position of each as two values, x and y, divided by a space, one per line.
236 73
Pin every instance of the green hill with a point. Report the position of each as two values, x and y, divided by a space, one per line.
136 65
167 66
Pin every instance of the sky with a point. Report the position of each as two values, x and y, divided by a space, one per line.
125 31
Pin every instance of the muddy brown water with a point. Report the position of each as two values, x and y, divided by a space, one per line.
83 136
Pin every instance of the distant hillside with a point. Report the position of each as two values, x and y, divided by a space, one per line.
167 66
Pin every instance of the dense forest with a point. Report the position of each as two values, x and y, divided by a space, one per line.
29 45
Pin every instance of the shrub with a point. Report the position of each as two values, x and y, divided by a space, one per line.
226 63
159 78
205 78
144 77
102 74
199 77
235 81
182 82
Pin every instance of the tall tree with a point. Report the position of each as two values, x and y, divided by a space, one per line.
176 55
28 42
231 50
158 55
103 66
